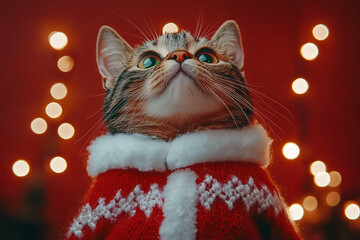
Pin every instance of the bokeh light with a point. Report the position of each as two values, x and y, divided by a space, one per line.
21 168
320 32
310 203
58 164
352 211
53 110
322 179
65 63
170 28
309 51
300 86
38 125
333 199
58 40
335 179
296 211
66 131
291 150
317 167
58 91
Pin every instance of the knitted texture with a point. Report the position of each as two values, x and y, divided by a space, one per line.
205 185
232 201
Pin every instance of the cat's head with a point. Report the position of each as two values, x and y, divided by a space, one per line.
174 84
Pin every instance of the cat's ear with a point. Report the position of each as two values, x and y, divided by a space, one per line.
112 53
228 38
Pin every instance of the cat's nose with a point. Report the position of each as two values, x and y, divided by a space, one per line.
180 55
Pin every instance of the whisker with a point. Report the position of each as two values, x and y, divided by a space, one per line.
133 35
96 95
217 97
153 26
146 37
208 35
243 101
224 77
256 112
208 31
148 27
259 95
101 109
201 19
95 126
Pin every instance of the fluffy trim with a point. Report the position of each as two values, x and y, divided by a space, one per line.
251 144
126 151
179 207
123 151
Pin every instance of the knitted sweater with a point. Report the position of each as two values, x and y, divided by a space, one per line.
206 185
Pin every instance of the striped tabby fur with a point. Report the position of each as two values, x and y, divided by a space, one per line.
159 101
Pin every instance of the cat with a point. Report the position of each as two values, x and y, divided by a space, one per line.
184 157
151 92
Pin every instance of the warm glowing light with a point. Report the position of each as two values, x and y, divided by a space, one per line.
317 167
309 51
291 150
352 211
322 179
53 110
335 179
58 91
296 211
310 203
58 164
65 63
300 86
21 168
38 125
333 199
320 32
170 28
58 40
66 131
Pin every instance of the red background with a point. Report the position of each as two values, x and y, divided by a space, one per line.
324 121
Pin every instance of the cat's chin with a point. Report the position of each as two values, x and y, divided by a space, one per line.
182 98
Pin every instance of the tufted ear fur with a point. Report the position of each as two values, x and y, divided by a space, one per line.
112 54
228 38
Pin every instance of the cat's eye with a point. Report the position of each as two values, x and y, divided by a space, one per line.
149 61
207 57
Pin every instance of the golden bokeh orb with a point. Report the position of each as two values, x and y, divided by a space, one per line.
333 199
170 28
53 110
309 51
58 91
58 40
296 211
65 63
38 125
317 167
300 86
58 164
291 150
320 32
322 179
21 168
335 179
352 211
310 203
66 131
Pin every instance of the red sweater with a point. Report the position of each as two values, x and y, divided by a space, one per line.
206 185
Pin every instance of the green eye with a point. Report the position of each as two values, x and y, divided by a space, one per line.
149 61
207 58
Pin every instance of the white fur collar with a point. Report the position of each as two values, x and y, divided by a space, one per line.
124 151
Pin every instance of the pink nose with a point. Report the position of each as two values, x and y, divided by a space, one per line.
180 55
